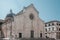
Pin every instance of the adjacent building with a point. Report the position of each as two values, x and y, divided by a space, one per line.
52 29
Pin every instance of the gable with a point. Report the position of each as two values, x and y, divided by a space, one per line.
31 6
27 8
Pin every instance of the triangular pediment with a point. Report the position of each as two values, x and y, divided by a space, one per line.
30 6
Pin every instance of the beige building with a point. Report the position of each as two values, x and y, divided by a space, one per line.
25 24
52 29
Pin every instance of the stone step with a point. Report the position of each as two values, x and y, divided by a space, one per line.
31 39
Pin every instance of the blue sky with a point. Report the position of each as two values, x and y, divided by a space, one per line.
48 9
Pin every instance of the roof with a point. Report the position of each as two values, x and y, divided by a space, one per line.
11 14
31 5
52 21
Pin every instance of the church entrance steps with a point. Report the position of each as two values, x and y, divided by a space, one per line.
28 39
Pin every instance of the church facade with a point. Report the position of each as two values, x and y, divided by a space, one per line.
25 24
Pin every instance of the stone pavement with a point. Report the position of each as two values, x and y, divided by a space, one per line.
30 39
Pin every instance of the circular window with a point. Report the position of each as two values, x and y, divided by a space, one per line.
31 16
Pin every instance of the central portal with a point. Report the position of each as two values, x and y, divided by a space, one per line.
32 34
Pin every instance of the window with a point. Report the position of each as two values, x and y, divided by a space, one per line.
49 24
47 37
53 28
31 16
20 35
0 29
40 34
52 23
49 29
45 33
59 29
32 34
59 24
46 29
45 25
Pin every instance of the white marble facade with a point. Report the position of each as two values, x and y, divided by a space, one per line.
24 23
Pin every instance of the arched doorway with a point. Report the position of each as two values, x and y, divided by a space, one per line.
32 34
41 35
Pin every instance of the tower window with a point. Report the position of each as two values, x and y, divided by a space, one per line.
20 35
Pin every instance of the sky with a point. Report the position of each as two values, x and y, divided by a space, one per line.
48 9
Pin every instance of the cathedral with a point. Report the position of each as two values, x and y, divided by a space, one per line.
24 24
